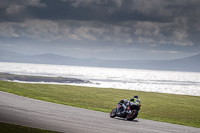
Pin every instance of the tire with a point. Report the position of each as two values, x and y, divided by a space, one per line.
113 113
133 115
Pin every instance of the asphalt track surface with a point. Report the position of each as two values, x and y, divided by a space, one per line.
45 115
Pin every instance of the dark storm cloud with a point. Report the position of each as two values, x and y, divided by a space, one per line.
17 10
123 23
85 10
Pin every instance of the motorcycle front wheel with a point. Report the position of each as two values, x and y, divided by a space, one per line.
113 113
132 115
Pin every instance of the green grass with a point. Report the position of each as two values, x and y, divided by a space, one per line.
177 109
10 128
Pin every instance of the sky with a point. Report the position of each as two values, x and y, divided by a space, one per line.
103 29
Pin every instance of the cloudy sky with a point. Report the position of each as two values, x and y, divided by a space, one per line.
105 29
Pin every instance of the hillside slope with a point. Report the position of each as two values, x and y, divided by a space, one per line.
185 64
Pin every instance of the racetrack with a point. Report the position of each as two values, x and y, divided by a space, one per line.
45 115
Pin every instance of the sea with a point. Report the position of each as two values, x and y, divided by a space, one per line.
172 82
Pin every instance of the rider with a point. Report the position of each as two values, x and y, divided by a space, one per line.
134 99
125 101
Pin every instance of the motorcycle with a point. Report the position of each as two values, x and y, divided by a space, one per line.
131 111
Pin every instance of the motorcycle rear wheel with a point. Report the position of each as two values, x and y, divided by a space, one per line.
132 115
113 113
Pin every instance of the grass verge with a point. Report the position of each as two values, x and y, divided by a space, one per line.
177 109
10 128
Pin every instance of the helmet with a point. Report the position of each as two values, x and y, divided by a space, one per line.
135 97
122 101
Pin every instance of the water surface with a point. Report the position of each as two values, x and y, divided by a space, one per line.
186 83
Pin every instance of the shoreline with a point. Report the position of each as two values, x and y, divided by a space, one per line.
58 80
39 79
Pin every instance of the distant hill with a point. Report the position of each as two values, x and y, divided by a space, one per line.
191 64
6 56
